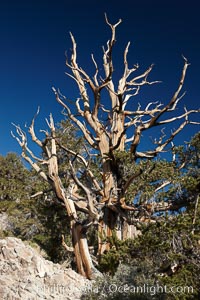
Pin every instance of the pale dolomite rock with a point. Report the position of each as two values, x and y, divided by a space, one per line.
26 275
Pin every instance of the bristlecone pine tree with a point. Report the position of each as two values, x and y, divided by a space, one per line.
112 133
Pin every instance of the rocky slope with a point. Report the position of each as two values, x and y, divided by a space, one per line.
26 275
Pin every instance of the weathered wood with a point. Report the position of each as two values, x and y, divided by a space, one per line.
104 200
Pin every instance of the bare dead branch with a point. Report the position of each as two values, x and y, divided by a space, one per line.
143 76
96 70
32 132
108 63
163 185
22 141
195 213
187 113
77 74
82 127
113 27
86 190
41 193
85 163
160 148
172 103
80 111
69 249
165 206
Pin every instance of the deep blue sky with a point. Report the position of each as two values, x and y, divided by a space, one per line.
35 35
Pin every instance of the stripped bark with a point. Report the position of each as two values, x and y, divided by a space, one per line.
104 202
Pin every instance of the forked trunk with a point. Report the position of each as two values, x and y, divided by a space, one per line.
84 262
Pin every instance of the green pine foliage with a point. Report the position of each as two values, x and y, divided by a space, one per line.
167 253
40 220
149 260
12 177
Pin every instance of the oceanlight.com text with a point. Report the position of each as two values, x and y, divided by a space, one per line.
120 289
147 289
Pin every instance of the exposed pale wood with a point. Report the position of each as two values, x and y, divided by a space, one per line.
195 213
104 201
69 249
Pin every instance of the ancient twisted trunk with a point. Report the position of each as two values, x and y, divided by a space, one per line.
104 200
84 262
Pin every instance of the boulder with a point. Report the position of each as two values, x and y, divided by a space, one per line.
26 275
